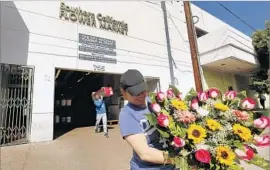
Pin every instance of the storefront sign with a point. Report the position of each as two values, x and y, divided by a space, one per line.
75 14
97 49
97 58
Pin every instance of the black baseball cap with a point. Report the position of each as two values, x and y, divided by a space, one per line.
133 82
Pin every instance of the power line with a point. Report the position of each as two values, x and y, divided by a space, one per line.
178 31
236 16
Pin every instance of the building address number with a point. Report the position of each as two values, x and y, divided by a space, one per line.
99 67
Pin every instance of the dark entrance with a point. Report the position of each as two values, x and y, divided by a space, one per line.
73 103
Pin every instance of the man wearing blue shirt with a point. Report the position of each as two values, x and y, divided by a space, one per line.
101 113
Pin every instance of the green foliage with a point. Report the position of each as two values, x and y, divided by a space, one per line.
260 42
242 95
260 162
181 163
152 96
190 94
163 133
174 89
177 130
235 167
152 119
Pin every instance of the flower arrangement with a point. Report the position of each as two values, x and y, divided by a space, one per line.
210 130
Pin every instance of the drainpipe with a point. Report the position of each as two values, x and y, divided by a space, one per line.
163 7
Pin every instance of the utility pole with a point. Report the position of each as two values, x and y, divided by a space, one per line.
193 46
163 7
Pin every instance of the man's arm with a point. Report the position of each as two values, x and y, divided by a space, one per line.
139 144
97 103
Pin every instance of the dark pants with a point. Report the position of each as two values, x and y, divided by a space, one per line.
262 102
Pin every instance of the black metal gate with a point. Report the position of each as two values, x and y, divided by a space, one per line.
16 88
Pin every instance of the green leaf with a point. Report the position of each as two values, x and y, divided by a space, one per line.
235 167
152 96
152 119
235 102
242 95
181 163
175 90
190 94
163 133
260 162
184 152
238 144
165 112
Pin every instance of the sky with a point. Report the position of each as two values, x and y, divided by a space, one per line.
252 12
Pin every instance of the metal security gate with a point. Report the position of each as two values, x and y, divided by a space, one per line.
16 84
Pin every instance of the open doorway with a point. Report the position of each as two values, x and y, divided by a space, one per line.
74 107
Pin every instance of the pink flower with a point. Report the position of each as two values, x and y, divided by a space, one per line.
247 154
178 142
163 120
262 122
203 156
161 96
230 95
185 116
203 96
213 93
170 94
194 104
248 104
155 107
241 115
180 96
262 140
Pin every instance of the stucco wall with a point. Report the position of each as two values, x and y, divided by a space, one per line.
217 79
32 34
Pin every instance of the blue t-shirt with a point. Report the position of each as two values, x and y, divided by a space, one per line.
100 106
132 120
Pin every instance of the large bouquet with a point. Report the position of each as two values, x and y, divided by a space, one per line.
209 130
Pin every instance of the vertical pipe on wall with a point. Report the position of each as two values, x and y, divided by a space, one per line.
163 7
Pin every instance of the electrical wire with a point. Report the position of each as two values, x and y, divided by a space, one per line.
178 31
159 9
227 9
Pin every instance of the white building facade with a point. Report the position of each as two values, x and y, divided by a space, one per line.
47 35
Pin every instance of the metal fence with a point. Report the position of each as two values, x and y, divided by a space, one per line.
16 88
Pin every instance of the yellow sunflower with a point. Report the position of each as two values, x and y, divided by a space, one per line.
243 132
179 105
225 155
222 107
212 124
197 133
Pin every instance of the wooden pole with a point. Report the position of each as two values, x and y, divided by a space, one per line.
193 47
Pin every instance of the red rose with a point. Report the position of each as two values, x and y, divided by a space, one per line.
180 96
161 96
203 96
163 120
246 154
155 107
230 95
203 156
178 142
248 103
213 93
170 94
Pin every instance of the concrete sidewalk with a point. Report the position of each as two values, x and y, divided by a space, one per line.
80 149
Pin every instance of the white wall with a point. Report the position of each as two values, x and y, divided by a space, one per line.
32 34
